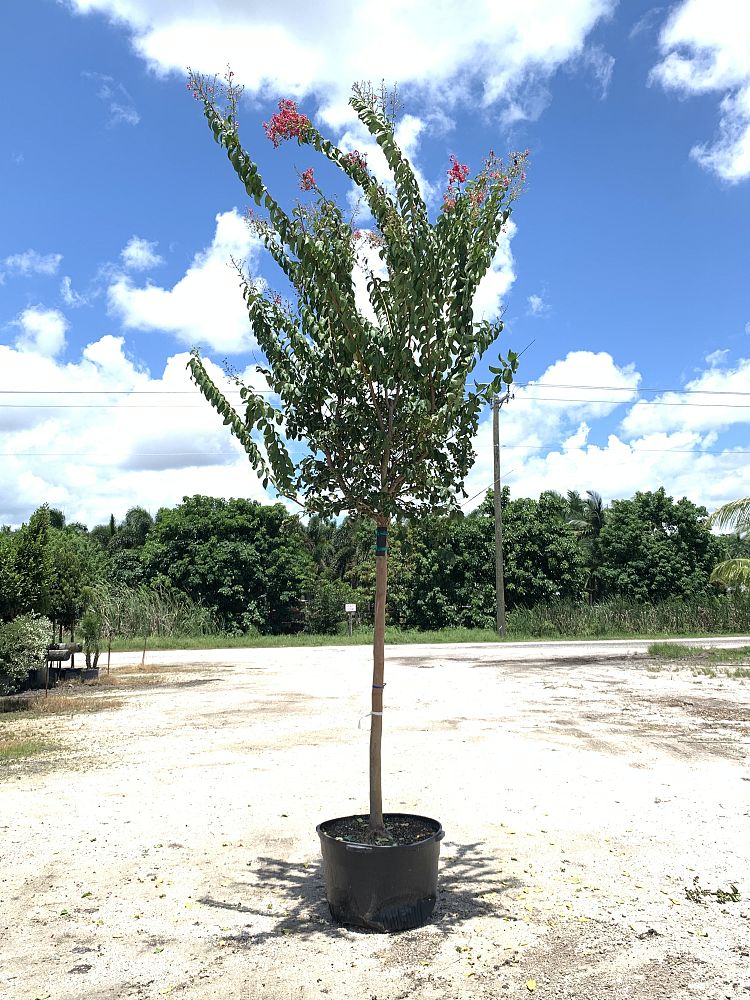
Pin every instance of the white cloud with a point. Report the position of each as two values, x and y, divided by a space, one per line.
646 23
206 305
119 103
31 262
368 261
537 305
296 50
69 296
706 49
93 455
618 469
550 410
545 437
495 285
578 439
668 413
42 331
408 132
140 255
356 137
716 358
162 441
562 401
525 102
601 64
489 296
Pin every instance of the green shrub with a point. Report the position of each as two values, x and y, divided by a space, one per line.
324 613
23 642
90 630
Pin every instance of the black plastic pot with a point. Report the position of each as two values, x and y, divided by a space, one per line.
385 888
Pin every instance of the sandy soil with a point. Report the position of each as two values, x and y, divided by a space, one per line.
168 847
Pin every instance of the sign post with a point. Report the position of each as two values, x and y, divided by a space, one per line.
351 610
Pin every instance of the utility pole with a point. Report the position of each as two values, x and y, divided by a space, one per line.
497 402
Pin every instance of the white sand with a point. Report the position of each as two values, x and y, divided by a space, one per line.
169 846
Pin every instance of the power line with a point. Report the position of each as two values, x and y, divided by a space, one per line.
101 406
632 388
201 406
131 455
633 449
483 490
647 402
524 385
727 453
118 392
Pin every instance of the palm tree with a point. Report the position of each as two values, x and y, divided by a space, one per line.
733 572
320 533
585 518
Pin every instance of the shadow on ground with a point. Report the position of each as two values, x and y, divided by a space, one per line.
470 884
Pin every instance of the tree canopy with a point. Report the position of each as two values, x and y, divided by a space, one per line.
653 548
246 561
256 565
379 395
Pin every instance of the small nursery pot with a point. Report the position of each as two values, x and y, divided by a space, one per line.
383 887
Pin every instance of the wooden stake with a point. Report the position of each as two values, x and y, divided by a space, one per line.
378 672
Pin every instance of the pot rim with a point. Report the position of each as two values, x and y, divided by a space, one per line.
434 837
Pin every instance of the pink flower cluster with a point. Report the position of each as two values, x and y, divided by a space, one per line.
355 159
373 239
307 179
200 90
458 172
287 123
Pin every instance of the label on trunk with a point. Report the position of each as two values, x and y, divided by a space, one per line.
381 541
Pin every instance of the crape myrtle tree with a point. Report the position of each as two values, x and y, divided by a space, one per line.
374 413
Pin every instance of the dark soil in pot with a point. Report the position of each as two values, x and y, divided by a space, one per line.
386 884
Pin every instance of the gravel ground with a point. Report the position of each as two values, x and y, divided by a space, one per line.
168 847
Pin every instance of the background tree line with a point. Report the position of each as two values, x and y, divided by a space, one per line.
244 566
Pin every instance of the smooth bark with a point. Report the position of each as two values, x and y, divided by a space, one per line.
378 673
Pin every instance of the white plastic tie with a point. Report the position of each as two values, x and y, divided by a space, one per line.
359 724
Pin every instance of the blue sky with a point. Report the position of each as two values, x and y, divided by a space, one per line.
627 268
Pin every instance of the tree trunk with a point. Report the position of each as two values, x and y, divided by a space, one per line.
378 672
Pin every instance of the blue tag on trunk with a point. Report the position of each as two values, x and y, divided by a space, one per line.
381 541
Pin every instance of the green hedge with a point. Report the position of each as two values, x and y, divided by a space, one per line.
23 641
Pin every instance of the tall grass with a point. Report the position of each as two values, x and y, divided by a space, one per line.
190 626
362 636
127 613
623 618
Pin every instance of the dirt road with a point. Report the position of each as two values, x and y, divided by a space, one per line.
168 846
